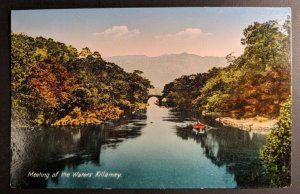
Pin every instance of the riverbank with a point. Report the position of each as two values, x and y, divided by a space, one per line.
256 124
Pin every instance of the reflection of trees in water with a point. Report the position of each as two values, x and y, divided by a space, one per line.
53 149
180 116
235 149
189 117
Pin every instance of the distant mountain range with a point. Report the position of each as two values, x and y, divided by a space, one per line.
163 69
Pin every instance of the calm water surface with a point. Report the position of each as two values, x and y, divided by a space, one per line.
155 149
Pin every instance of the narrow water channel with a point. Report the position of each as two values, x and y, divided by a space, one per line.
155 149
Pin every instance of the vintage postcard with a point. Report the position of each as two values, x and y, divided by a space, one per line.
153 98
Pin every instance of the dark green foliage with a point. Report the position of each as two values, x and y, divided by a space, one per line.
85 52
182 91
50 80
255 83
26 53
103 83
276 155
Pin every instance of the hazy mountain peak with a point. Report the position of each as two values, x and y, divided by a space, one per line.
163 69
185 53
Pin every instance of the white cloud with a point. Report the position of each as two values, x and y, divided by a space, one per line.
188 33
118 32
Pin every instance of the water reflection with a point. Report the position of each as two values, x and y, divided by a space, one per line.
235 149
53 149
156 149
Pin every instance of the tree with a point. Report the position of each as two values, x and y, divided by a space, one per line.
73 51
53 82
96 54
182 92
267 45
50 80
276 155
52 85
256 82
85 52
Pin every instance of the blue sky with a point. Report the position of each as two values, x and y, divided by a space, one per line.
146 31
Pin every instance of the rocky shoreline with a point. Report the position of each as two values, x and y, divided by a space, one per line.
256 124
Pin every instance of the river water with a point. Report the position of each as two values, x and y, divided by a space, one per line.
155 149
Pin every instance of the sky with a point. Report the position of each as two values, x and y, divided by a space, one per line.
146 31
